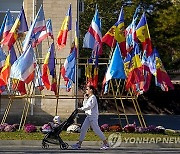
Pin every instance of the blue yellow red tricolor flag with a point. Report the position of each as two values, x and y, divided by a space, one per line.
48 67
142 33
65 27
19 26
116 33
10 59
134 76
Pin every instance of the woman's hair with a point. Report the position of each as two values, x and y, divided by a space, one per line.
93 89
95 92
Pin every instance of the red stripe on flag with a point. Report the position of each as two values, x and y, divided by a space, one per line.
45 78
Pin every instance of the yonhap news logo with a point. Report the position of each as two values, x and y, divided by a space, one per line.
116 139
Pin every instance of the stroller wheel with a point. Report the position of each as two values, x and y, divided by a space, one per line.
45 145
64 146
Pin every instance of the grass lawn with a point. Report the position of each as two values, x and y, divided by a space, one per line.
21 135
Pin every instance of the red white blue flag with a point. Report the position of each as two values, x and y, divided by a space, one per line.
94 37
38 25
24 67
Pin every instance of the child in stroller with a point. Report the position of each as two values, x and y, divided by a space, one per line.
46 128
53 137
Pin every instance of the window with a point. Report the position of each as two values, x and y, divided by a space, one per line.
13 6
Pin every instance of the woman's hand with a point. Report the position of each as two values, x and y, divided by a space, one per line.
85 96
79 109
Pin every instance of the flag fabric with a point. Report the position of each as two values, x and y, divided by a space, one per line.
116 33
38 78
127 63
19 26
48 67
23 68
38 37
162 78
10 59
68 69
73 53
2 61
6 25
130 34
116 67
76 35
144 85
143 35
54 84
18 85
2 58
65 27
95 75
93 37
89 71
37 26
135 75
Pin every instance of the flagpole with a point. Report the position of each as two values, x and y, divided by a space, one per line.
116 103
77 57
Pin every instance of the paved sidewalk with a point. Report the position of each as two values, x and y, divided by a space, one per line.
90 143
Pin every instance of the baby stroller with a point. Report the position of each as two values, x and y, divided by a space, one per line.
53 136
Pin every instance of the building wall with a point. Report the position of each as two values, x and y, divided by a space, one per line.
56 11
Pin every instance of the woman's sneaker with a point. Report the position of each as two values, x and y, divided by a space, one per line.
104 147
76 146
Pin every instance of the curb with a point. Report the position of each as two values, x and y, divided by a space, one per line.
90 143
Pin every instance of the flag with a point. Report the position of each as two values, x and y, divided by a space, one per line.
95 75
10 59
162 78
41 35
38 25
68 69
6 25
130 34
38 78
76 35
135 72
24 67
48 67
127 63
143 35
19 86
89 71
93 37
144 85
116 33
65 27
2 61
19 26
2 58
115 69
54 83
74 50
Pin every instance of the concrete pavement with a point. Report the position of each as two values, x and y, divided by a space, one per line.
126 144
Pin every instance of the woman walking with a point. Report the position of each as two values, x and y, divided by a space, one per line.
90 106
